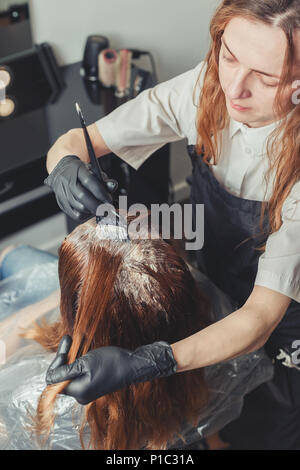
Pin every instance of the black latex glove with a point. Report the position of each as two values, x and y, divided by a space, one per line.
78 191
108 369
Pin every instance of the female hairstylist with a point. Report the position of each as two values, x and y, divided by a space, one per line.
245 91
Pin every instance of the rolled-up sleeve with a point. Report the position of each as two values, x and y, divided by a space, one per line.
157 116
279 265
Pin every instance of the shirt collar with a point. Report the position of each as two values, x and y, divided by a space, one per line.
236 126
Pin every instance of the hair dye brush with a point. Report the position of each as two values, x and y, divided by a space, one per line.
113 226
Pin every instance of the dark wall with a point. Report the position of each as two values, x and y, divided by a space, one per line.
15 30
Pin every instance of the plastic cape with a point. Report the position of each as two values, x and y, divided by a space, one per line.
228 381
27 286
22 379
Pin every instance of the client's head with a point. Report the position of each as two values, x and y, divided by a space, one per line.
127 294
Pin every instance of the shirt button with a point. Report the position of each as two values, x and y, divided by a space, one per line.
248 150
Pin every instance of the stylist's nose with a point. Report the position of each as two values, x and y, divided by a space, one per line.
238 87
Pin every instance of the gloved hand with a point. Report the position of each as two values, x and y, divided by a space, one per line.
108 369
78 191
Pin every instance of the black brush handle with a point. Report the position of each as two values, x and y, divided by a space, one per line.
93 159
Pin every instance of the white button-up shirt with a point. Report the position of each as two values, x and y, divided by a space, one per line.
167 113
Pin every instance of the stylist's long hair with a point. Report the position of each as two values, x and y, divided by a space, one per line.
127 295
285 162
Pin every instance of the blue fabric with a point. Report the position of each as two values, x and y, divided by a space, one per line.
27 275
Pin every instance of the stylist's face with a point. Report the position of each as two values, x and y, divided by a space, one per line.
250 68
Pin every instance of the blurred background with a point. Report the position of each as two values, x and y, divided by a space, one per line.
47 51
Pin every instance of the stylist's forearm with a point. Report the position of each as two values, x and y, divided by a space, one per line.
73 143
241 332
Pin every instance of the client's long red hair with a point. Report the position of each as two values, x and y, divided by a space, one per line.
127 295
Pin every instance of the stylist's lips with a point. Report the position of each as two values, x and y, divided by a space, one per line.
238 108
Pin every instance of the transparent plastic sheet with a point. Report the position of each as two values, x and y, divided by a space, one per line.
28 285
22 380
228 381
29 288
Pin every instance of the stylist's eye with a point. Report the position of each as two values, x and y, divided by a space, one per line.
270 85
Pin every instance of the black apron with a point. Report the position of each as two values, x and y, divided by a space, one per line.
270 418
